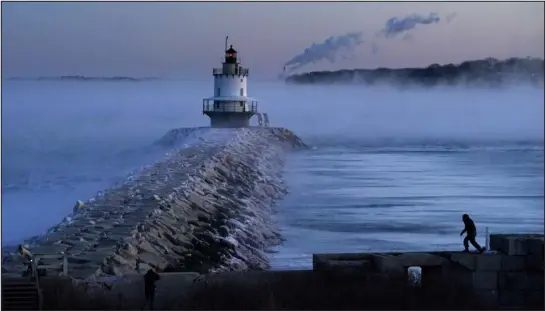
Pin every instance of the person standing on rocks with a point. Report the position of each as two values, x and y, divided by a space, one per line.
149 288
471 230
27 255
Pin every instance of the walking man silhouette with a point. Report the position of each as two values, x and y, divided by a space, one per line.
471 230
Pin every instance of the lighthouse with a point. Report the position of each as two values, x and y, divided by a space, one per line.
230 106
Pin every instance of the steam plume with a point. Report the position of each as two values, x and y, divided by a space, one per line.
332 46
329 49
396 25
450 17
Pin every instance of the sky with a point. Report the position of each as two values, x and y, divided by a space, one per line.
187 39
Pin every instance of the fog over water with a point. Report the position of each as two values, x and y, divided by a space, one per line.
389 169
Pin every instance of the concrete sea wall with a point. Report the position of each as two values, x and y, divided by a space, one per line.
509 276
206 207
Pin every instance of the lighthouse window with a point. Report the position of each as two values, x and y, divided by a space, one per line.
242 92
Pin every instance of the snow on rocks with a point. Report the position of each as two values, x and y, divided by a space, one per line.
205 207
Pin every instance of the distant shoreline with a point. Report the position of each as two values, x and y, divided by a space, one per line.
489 72
485 72
82 78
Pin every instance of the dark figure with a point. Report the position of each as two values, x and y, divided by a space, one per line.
471 234
27 255
149 282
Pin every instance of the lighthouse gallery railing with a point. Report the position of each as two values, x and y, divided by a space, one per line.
238 71
232 106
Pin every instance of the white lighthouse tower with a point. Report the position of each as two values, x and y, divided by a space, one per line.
230 106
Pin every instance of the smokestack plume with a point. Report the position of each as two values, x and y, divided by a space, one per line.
327 50
332 46
450 17
395 25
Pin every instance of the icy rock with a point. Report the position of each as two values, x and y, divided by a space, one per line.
217 217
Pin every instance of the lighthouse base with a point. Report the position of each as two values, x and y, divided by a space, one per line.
229 119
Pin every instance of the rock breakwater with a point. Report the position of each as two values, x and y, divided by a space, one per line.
205 207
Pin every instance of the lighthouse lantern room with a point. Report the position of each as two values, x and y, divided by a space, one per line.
230 106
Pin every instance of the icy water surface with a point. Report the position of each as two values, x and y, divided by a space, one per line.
360 196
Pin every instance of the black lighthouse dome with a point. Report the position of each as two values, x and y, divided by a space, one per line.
231 56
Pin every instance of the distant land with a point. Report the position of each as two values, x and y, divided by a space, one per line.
83 78
488 72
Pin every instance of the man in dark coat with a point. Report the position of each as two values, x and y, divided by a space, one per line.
149 287
27 255
469 227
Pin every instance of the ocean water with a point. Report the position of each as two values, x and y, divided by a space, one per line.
406 196
388 169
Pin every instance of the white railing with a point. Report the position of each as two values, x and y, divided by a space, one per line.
487 239
37 267
240 71
36 276
234 106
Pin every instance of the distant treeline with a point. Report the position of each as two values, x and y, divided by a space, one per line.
83 78
486 72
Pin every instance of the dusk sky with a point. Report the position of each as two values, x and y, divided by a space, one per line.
187 39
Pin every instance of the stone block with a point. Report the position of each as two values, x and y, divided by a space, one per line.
432 275
488 262
533 263
514 245
534 246
420 260
535 251
348 266
466 260
485 280
478 262
495 241
390 265
534 299
460 276
489 298
512 263
517 244
536 281
511 298
512 281
319 259
349 263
